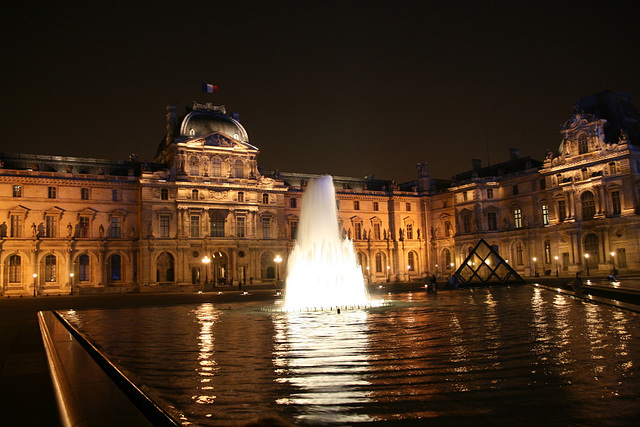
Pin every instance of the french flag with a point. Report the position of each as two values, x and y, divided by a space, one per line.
208 88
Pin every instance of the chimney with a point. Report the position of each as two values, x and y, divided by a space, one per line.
514 153
171 122
476 163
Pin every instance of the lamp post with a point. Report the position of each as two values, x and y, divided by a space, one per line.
277 260
71 280
205 262
388 278
557 271
34 283
368 275
535 267
436 269
586 261
613 263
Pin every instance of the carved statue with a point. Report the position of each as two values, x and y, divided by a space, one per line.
423 169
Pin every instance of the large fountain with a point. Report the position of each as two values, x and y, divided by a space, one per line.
322 269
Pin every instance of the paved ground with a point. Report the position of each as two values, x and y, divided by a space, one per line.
26 393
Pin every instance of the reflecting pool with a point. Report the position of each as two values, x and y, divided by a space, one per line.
515 355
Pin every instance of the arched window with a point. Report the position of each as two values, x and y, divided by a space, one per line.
84 273
50 268
164 267
411 261
447 259
517 217
238 169
591 243
216 167
194 166
115 267
583 146
15 269
380 262
588 205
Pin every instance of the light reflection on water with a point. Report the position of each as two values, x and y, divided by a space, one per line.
500 355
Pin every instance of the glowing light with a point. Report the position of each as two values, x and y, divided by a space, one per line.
322 267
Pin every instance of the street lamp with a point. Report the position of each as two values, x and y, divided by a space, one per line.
277 260
535 266
205 262
613 263
388 277
71 279
436 269
557 271
34 284
586 261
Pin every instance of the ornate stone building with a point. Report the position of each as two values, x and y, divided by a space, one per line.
90 225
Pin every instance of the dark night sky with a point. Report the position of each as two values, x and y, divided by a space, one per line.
342 87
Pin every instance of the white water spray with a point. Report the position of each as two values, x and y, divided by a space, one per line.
322 269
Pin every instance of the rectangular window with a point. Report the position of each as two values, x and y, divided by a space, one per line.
615 203
17 191
358 230
265 199
545 214
52 192
16 225
466 222
294 229
543 184
164 193
84 193
116 195
194 226
356 205
409 231
293 202
83 268
50 226
15 269
562 210
612 168
83 226
408 207
266 228
164 226
517 217
464 196
240 196
515 190
376 231
115 227
216 223
375 206
489 193
50 268
492 221
240 227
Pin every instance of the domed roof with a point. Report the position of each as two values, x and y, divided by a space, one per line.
205 119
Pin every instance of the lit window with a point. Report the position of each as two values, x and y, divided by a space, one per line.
517 217
17 191
545 214
50 268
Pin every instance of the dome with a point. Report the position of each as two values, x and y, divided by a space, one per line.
205 119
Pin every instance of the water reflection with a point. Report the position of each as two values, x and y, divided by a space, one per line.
322 356
497 355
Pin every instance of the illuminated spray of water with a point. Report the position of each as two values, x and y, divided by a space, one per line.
322 270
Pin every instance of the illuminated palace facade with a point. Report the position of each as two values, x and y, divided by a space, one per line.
204 213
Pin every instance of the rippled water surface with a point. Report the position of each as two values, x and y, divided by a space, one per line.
514 355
